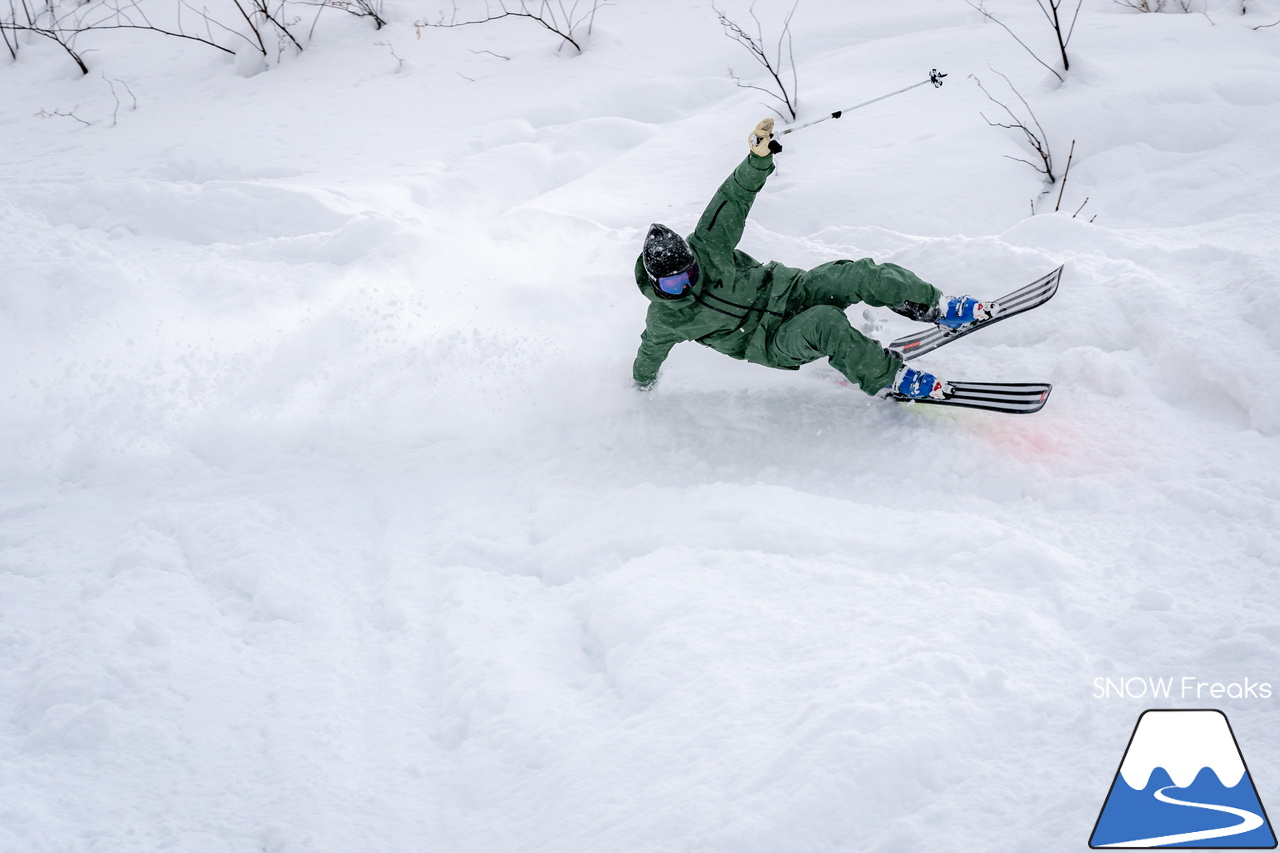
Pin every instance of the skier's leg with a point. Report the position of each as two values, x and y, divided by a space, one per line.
825 330
842 283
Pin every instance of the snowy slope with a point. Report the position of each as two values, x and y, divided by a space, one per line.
330 520
1202 738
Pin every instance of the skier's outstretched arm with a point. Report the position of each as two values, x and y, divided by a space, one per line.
720 228
655 343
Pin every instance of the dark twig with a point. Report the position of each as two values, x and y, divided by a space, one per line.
261 8
1052 14
114 94
55 32
389 46
315 22
4 33
61 114
553 18
210 23
773 65
91 17
358 8
1065 174
1033 133
253 27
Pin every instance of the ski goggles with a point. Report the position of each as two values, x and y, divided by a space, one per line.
678 284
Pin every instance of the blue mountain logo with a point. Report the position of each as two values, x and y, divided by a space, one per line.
1183 783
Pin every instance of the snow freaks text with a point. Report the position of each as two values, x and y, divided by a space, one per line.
1184 687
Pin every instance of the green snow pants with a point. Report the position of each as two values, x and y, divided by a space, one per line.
816 325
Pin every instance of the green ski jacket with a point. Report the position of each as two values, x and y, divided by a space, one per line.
738 301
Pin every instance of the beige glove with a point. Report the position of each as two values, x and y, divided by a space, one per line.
759 138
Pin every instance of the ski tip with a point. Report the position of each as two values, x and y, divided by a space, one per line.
1035 405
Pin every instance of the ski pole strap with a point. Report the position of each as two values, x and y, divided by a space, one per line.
935 77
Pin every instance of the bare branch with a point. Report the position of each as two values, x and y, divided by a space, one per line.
71 32
787 94
61 114
992 17
1072 28
112 83
62 38
1066 173
261 8
1032 131
253 27
210 23
555 19
359 8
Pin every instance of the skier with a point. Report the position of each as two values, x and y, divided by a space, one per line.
705 289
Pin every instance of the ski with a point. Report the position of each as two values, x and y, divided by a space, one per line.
1012 397
1024 299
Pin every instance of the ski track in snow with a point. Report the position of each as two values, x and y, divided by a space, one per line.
1248 822
329 520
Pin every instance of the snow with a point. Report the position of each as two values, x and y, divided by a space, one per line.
1184 743
329 519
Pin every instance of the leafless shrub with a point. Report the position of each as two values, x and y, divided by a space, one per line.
776 65
112 83
263 20
63 114
1061 29
360 8
1066 173
1032 133
554 16
1184 6
1158 5
10 36
65 26
62 28
267 25
392 48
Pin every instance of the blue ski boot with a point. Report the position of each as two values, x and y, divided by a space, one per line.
916 384
957 311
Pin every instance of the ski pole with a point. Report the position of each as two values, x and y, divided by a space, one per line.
935 77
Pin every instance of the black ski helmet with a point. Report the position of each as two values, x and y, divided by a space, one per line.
665 253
